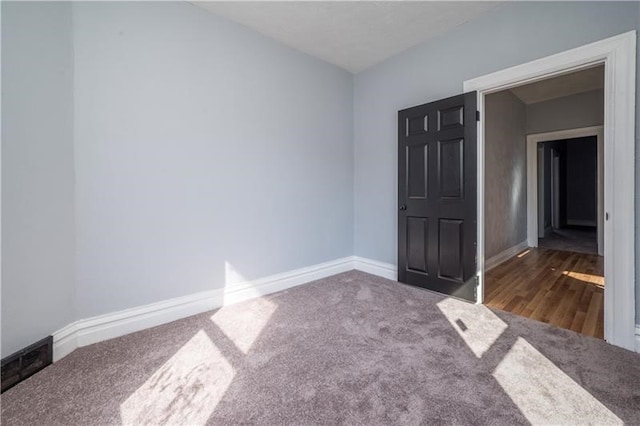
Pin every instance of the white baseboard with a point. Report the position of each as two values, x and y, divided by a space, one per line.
504 256
103 327
374 267
96 329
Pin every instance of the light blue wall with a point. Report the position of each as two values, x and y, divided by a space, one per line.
511 34
37 172
205 152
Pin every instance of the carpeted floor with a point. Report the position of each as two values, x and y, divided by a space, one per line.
349 349
577 239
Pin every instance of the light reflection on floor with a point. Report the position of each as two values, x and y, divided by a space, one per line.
185 390
597 280
542 391
478 326
190 385
243 327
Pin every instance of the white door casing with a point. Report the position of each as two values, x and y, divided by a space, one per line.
618 54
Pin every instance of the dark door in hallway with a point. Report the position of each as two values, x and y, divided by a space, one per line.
437 196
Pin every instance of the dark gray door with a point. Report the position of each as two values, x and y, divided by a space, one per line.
437 196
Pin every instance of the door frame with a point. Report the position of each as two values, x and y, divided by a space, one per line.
533 233
618 54
540 178
555 189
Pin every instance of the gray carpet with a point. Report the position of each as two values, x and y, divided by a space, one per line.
350 349
578 240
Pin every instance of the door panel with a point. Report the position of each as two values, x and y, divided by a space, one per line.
417 237
418 180
451 118
417 124
450 257
437 196
451 168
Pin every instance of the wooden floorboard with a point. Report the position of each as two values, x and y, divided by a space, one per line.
561 288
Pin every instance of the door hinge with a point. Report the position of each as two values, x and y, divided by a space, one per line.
477 115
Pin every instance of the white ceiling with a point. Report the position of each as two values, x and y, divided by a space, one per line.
563 85
353 35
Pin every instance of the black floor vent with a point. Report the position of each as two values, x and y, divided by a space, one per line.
26 362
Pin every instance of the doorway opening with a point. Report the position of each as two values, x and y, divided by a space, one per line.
568 195
541 251
617 57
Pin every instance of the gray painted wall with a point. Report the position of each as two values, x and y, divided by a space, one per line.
509 35
505 181
205 154
37 172
569 112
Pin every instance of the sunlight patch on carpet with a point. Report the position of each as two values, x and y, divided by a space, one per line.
544 393
244 326
476 324
185 390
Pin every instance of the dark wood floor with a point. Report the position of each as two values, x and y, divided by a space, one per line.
557 287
